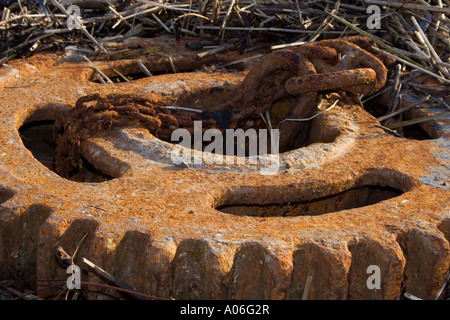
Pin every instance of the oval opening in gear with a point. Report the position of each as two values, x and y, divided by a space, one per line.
350 199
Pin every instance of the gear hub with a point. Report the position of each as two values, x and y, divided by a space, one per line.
351 197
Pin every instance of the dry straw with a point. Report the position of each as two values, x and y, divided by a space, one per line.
415 33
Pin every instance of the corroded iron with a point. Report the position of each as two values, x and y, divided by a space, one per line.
352 197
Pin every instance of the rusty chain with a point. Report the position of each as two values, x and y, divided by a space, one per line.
296 76
286 79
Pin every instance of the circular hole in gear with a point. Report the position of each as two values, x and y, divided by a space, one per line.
37 137
349 199
294 200
314 131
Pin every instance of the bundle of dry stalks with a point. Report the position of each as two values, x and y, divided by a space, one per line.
415 33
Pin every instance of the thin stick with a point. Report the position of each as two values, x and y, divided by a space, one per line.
428 44
411 297
269 29
183 109
79 245
409 6
311 118
395 133
307 287
224 22
417 49
6 13
120 75
24 296
105 276
172 64
264 119
325 24
441 289
212 51
97 69
82 28
144 69
243 60
417 120
154 16
287 45
121 19
412 65
299 12
397 86
194 15
442 101
29 16
391 115
100 79
373 38
122 290
154 9
269 120
373 96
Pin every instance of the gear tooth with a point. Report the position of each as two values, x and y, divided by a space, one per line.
382 253
328 264
6 214
130 260
189 270
246 274
71 238
19 238
101 251
143 263
427 256
200 269
57 232
134 258
219 261
258 274
49 233
278 268
160 256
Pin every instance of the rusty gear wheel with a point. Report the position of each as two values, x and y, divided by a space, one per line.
353 196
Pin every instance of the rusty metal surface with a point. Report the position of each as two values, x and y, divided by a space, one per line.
185 233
